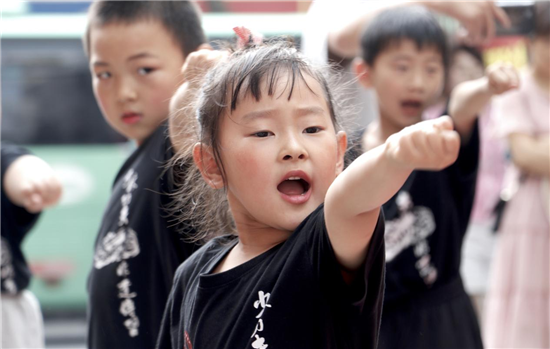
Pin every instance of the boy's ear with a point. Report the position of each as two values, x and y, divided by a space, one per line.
342 143
362 72
205 161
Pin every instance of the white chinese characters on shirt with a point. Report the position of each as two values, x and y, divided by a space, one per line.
412 228
119 247
262 304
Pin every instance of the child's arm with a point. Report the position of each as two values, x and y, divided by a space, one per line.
353 201
29 182
531 154
477 17
182 119
468 98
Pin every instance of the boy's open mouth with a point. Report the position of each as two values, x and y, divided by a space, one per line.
293 186
411 107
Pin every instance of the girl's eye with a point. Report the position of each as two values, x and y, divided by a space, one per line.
144 71
402 68
313 129
103 75
262 134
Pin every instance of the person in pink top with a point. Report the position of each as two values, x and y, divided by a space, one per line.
517 306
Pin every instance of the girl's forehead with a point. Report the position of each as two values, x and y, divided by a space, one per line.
284 85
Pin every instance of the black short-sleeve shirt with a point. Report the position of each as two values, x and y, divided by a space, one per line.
292 296
16 223
137 252
425 225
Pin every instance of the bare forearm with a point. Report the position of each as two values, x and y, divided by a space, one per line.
530 154
370 181
466 102
345 41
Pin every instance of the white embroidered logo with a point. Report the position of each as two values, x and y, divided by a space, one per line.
6 270
262 303
119 247
412 228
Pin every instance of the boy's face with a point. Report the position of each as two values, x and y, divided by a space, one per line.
406 80
135 70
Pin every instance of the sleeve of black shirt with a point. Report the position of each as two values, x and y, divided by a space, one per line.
16 220
363 299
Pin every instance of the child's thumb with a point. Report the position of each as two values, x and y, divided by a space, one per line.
444 123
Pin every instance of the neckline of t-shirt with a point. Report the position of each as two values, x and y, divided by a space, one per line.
209 280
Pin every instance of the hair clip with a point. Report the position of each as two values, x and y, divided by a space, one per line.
246 37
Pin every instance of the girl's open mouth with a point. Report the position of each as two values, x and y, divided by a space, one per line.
295 189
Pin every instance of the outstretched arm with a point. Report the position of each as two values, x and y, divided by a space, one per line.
478 18
353 201
468 98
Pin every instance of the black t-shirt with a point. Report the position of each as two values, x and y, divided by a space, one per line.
16 223
292 296
137 252
425 225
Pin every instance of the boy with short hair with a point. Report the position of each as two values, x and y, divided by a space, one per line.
405 60
136 51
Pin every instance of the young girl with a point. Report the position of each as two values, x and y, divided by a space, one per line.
518 303
305 266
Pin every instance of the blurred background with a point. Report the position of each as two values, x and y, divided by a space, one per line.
49 107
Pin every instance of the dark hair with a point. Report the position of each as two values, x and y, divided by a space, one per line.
472 51
542 18
180 18
392 26
251 71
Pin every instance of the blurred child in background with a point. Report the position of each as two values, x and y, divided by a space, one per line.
404 60
136 51
518 303
29 185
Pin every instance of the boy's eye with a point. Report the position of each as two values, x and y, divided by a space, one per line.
402 68
313 129
262 134
103 75
431 70
144 71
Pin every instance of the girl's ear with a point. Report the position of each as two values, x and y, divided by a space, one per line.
205 161
362 71
342 143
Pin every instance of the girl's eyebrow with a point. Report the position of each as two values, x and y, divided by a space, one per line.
258 114
269 113
310 110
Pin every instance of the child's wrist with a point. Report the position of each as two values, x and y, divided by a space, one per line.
392 155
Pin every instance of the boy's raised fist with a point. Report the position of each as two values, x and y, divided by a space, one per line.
502 77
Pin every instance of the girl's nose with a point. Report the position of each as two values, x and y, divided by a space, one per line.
293 149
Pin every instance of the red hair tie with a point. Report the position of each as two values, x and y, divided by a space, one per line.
246 37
